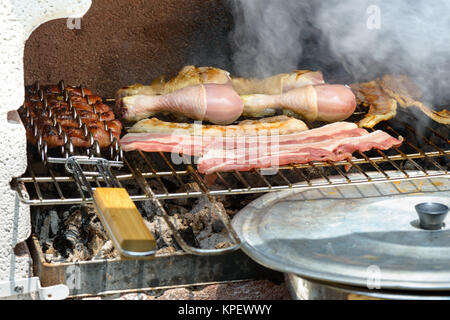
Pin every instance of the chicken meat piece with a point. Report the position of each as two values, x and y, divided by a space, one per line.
216 103
326 102
188 76
277 84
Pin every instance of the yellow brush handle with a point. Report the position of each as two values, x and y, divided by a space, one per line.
123 222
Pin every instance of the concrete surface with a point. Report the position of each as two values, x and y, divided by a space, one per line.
247 290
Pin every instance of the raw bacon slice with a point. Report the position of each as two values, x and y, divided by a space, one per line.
183 138
335 149
333 142
198 145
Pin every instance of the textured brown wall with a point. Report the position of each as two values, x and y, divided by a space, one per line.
122 42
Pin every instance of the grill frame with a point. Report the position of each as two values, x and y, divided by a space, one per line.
373 166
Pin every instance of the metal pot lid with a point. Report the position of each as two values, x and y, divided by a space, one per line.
366 235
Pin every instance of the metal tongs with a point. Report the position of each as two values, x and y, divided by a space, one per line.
121 218
117 212
236 243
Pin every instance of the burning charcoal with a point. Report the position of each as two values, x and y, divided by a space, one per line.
160 243
217 226
160 231
147 208
167 250
173 209
54 222
67 240
188 236
223 245
44 231
195 222
106 251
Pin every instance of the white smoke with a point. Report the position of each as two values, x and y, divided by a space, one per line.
366 38
267 36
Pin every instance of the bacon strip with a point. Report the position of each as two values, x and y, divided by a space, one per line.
266 156
333 142
184 140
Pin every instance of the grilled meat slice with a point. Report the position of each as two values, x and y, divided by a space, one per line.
56 89
407 94
381 106
50 114
383 94
278 124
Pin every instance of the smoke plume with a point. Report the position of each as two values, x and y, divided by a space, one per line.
349 40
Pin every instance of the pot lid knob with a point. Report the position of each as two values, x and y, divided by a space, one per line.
431 215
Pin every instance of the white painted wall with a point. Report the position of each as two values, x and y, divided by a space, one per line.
18 19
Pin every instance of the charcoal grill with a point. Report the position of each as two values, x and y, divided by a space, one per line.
139 52
426 151
80 170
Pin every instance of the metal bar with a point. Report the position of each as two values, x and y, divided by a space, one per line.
299 172
174 172
262 178
415 164
360 170
424 154
155 174
74 167
340 172
223 180
373 163
103 176
36 185
289 183
424 138
73 201
162 212
390 160
147 162
447 140
238 175
320 171
58 189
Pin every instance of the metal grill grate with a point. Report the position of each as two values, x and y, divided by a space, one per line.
425 151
